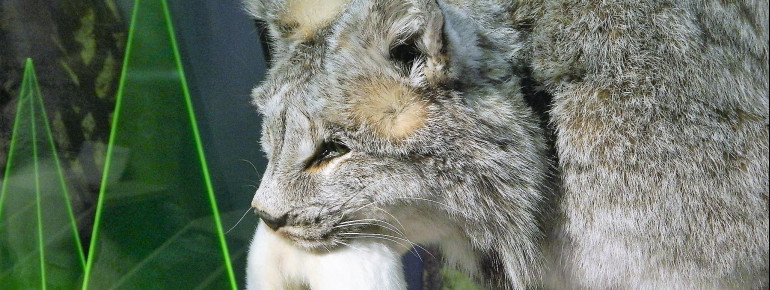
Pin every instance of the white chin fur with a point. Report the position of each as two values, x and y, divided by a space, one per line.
274 263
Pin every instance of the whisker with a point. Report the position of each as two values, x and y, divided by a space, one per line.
394 218
393 239
390 226
408 198
380 236
364 206
253 166
390 236
365 220
239 221
404 235
350 246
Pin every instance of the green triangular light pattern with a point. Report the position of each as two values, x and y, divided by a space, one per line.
157 225
39 244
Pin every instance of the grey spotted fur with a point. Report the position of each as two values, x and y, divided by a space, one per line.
660 112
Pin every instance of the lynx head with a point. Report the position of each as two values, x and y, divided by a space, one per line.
398 111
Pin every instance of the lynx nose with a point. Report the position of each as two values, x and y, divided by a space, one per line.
273 222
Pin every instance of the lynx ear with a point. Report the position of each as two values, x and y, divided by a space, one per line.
460 42
432 34
297 20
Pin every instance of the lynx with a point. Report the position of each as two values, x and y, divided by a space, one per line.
399 123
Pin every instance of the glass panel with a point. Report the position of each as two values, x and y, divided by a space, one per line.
39 243
157 223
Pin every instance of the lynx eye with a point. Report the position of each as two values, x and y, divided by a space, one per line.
328 151
405 53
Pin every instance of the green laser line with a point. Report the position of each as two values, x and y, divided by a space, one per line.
14 139
27 256
60 171
37 189
199 148
212 277
65 191
107 162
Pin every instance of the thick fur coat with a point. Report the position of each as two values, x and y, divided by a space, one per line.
405 122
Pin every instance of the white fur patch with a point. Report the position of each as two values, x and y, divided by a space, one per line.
274 263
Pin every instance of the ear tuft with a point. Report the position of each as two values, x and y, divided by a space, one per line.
393 109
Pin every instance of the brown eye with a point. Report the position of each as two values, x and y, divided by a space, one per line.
330 150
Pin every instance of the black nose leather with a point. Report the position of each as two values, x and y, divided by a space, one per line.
274 223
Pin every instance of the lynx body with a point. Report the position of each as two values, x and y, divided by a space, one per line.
393 123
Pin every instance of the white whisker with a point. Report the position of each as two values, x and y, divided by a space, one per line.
252 166
385 237
239 221
392 227
350 246
394 218
402 227
372 224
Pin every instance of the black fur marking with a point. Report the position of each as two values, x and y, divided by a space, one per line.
405 53
264 40
493 271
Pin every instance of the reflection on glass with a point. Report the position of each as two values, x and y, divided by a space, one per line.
39 244
157 224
